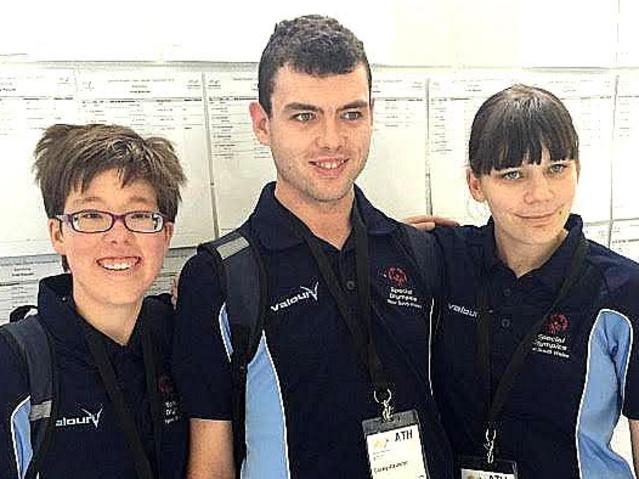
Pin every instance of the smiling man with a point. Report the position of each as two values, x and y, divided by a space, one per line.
111 198
338 385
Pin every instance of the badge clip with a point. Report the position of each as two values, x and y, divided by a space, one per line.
491 436
385 403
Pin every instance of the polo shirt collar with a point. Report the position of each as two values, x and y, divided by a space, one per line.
57 312
272 225
552 273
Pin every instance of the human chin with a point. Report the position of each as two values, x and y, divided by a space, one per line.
330 191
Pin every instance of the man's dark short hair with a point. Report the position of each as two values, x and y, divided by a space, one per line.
69 157
515 125
312 44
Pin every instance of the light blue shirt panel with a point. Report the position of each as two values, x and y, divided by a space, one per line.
265 422
21 432
609 349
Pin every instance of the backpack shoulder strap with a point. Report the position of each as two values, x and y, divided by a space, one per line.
31 341
242 275
422 253
242 272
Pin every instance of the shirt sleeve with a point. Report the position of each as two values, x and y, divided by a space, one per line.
622 334
629 363
15 447
201 365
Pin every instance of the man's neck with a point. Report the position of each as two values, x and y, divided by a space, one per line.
116 322
523 258
328 220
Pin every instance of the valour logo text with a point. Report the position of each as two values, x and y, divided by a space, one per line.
304 295
89 419
462 310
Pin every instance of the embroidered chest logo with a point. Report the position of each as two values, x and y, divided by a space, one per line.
463 310
88 419
305 294
170 406
399 293
552 340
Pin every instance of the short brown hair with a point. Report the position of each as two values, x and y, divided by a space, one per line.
69 157
515 125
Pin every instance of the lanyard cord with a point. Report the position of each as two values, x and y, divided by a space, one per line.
125 418
360 329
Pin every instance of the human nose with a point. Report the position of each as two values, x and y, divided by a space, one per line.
538 189
118 230
330 136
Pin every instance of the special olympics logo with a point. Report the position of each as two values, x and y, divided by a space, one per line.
165 385
397 276
556 323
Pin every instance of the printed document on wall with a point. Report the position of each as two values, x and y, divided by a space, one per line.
396 174
30 101
625 167
624 238
241 165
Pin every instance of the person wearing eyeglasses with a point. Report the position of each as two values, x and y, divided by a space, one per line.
111 197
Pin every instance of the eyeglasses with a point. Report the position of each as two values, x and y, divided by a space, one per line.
95 221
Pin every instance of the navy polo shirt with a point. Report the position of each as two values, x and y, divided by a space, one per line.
87 439
307 390
582 370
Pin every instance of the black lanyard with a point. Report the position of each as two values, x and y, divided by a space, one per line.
516 363
360 329
125 418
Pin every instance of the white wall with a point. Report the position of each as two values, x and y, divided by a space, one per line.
402 32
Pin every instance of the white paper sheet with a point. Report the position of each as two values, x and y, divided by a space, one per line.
30 100
625 166
241 165
624 238
395 175
599 232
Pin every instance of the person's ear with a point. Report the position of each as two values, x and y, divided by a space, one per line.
56 236
474 186
261 123
169 229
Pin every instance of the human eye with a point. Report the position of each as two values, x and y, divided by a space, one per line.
90 221
144 221
304 116
510 175
89 215
352 115
557 168
140 215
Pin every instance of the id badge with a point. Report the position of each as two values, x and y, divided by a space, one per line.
395 448
477 468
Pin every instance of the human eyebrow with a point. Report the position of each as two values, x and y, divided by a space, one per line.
141 199
355 105
301 107
86 200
